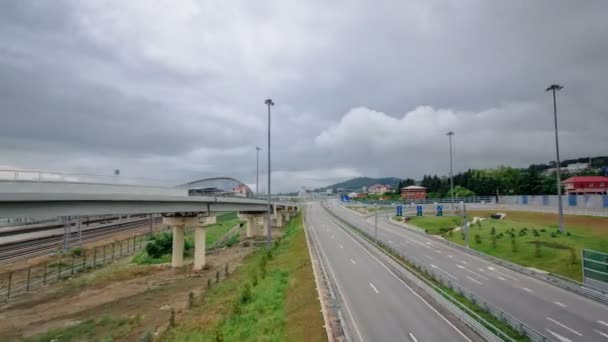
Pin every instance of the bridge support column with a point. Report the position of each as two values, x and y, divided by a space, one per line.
199 248
253 223
178 224
177 257
278 218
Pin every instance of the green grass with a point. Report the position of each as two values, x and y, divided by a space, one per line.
214 232
556 250
436 224
262 301
105 328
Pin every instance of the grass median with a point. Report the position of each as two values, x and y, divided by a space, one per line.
527 238
271 297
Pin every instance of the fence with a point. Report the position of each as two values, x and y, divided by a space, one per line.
15 283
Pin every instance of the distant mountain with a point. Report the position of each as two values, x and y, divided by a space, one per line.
356 184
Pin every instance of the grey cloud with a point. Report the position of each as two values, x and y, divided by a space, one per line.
175 90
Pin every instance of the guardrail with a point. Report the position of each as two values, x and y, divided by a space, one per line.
467 315
564 283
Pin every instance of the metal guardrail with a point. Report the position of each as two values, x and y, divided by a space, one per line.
468 316
564 283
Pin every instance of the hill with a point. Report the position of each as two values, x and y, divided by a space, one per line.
356 184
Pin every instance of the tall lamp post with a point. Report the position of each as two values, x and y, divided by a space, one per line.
257 170
450 134
269 103
560 209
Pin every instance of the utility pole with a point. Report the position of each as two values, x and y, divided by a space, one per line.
450 134
553 88
269 103
257 170
464 223
376 223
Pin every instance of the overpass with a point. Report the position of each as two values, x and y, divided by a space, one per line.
74 200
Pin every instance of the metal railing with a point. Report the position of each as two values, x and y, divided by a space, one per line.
70 177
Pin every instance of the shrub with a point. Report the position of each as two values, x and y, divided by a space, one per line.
494 241
477 238
553 235
542 230
493 231
159 245
513 245
76 252
535 232
568 233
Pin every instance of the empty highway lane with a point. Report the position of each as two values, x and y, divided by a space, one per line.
378 305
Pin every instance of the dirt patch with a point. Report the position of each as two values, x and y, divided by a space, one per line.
141 292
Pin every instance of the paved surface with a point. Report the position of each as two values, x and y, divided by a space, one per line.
556 313
378 305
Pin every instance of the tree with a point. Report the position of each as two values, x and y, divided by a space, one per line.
461 192
531 183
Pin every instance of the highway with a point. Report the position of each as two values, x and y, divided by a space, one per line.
554 312
379 306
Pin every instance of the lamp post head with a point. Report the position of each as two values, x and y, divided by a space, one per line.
269 102
450 133
257 148
554 87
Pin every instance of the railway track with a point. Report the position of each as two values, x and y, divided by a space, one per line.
35 247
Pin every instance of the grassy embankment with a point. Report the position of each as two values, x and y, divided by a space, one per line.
271 297
225 222
528 238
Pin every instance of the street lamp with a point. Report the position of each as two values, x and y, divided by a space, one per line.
553 88
450 134
269 103
257 170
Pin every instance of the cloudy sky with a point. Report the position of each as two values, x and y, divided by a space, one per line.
174 90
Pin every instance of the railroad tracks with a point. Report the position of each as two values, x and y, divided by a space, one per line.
39 246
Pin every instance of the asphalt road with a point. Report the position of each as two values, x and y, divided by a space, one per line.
379 306
554 312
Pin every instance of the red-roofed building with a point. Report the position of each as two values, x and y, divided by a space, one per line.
586 185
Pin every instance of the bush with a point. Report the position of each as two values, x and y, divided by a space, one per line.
553 235
493 231
159 245
477 239
76 252
543 230
535 232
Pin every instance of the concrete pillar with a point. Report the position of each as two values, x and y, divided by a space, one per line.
278 216
266 223
177 258
287 216
250 225
199 248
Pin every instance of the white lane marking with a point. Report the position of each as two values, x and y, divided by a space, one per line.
527 290
603 323
480 269
409 288
601 333
501 278
428 256
565 326
464 262
560 304
438 251
413 337
475 281
373 287
502 274
353 261
475 273
341 246
558 336
390 241
451 276
450 256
